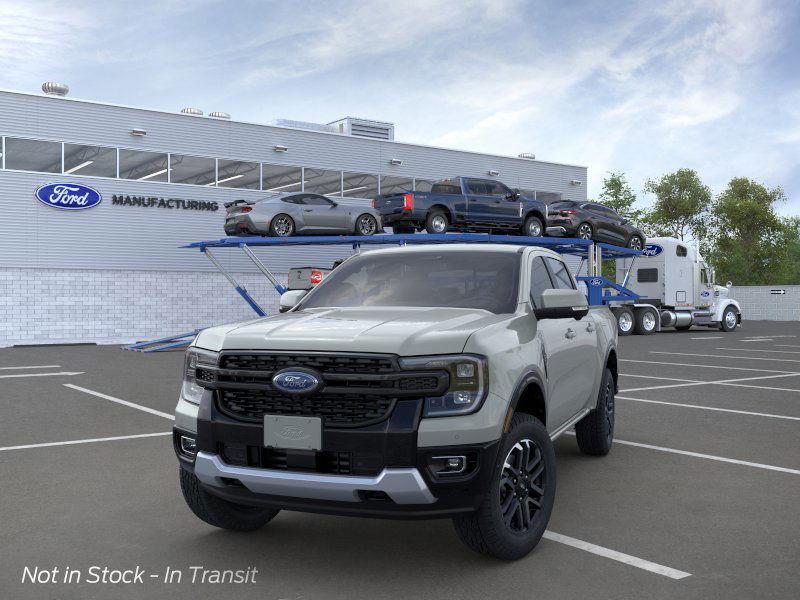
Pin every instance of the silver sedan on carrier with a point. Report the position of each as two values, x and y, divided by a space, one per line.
299 213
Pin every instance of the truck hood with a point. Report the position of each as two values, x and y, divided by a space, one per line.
402 331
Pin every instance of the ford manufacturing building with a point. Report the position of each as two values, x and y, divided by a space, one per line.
115 272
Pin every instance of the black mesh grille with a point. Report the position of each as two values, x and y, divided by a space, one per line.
338 463
322 363
418 383
335 409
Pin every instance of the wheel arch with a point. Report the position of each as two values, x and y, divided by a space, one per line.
529 398
535 212
444 208
612 364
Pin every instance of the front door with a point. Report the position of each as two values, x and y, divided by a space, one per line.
323 215
488 205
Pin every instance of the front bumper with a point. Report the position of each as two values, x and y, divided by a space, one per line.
387 474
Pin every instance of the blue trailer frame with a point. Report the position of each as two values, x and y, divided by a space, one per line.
586 249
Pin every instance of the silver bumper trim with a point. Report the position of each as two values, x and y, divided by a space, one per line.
404 486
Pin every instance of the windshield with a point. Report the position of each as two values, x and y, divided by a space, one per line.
474 279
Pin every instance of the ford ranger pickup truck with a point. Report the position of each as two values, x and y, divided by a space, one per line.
417 382
463 204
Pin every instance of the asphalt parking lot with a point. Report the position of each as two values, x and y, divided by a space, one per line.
697 499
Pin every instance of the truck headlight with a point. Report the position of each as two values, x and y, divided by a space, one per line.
195 360
469 377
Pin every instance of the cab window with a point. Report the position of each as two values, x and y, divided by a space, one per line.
495 188
540 281
562 280
446 186
478 187
681 250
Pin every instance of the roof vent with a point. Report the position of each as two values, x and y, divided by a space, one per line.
51 88
527 155
376 130
219 115
192 111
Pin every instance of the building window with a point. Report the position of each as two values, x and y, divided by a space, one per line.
280 178
237 174
33 155
97 161
194 170
321 181
396 185
359 185
144 166
423 185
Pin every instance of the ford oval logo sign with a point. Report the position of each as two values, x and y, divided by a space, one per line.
596 282
652 250
293 381
68 196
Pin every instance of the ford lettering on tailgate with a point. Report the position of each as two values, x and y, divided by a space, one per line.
68 196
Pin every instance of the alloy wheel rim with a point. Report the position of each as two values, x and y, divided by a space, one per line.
730 318
649 321
366 225
534 229
282 226
522 485
584 232
636 243
625 322
439 223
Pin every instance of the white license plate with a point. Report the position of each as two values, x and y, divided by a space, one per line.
292 433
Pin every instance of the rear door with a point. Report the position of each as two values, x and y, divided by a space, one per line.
570 346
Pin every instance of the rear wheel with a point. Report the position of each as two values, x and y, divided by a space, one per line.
595 431
729 320
221 513
625 321
645 321
366 225
436 222
533 227
584 231
281 226
517 507
635 243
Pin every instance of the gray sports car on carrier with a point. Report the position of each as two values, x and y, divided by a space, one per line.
300 213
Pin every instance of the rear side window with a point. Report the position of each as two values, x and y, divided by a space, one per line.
294 199
495 188
446 186
540 281
647 275
561 277
317 200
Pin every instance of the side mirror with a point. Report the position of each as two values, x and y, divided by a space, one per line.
729 285
334 204
562 304
512 196
291 299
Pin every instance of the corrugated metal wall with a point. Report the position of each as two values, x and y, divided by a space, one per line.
137 238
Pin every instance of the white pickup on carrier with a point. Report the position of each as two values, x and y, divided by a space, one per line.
676 288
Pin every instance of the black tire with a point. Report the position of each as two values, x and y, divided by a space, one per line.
595 431
276 226
366 224
403 228
635 242
625 321
437 221
730 320
584 231
487 531
645 321
221 513
533 227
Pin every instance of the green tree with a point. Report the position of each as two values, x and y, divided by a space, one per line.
749 243
681 205
618 195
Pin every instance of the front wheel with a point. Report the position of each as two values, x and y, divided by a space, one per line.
533 227
366 225
221 513
729 320
635 243
436 222
517 507
281 226
584 232
595 431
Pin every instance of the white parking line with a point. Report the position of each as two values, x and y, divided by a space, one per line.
31 367
717 382
758 350
727 410
633 561
146 409
674 364
657 377
733 461
86 441
724 356
17 375
708 337
787 346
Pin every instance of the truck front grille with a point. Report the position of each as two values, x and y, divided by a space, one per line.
336 463
324 363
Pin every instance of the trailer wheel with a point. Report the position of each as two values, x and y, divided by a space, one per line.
645 323
729 320
625 321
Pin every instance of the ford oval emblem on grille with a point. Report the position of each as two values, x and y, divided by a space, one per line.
295 381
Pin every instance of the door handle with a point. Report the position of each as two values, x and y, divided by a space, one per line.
570 333
590 327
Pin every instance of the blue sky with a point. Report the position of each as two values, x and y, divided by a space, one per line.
641 87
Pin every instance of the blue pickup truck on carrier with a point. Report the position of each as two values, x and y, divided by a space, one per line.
463 204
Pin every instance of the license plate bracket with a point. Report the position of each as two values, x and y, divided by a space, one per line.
292 433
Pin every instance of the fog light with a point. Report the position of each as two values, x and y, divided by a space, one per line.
448 465
188 445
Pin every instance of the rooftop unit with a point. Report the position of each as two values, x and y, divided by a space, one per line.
376 130
303 125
